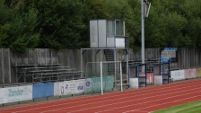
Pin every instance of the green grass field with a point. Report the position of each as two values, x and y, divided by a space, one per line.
192 107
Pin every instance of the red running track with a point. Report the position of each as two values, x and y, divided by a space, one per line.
142 100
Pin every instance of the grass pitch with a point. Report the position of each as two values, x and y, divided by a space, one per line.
192 107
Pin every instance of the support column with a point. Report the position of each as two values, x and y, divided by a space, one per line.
9 67
2 65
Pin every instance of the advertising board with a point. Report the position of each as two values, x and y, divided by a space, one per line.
1 95
169 55
56 89
177 75
190 73
72 87
198 72
17 94
43 90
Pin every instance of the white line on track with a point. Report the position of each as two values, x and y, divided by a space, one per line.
158 99
160 104
121 99
149 93
119 94
112 94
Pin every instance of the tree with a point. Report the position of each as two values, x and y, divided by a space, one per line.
17 26
3 23
60 23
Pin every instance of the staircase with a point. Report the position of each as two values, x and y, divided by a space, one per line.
109 55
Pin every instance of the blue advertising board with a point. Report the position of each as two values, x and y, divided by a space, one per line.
43 90
169 55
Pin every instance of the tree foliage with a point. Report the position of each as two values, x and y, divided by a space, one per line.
61 24
18 27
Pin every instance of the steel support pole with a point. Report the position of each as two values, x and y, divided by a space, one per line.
143 34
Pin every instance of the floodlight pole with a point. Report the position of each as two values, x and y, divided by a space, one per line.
142 31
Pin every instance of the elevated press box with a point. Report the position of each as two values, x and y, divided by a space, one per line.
107 33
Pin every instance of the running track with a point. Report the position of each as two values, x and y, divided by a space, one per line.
142 100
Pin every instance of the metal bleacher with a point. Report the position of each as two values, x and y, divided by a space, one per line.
46 73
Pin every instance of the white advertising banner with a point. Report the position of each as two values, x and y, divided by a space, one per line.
190 73
87 85
1 95
80 86
56 89
72 87
177 75
15 94
62 88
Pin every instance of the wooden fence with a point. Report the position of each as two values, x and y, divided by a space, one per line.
9 60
